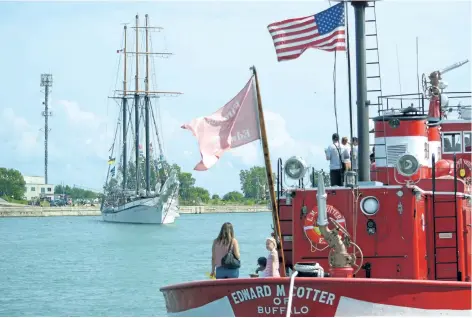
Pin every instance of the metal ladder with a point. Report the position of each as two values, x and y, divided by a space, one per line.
446 255
374 80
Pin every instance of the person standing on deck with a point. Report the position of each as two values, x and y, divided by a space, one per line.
346 145
221 246
339 161
354 154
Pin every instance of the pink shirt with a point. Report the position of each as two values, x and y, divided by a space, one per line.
220 251
270 259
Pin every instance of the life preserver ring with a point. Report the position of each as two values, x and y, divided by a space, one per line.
311 229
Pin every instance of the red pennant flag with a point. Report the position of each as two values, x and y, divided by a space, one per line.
231 126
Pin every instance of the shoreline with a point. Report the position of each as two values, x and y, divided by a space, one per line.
33 211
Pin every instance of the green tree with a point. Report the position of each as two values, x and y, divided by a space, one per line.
77 192
215 197
177 168
198 195
233 196
187 182
12 184
111 184
254 183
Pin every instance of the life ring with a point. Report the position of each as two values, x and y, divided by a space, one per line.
310 226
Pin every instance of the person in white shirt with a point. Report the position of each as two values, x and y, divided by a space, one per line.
339 160
355 152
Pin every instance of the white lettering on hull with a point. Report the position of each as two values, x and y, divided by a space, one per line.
251 293
282 310
280 298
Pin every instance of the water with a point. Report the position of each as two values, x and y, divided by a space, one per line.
81 266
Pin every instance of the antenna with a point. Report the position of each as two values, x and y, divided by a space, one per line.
417 67
398 71
46 82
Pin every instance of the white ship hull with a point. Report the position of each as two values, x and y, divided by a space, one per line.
161 209
144 211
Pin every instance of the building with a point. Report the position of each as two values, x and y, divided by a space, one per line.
36 188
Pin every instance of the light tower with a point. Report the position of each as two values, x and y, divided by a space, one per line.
46 82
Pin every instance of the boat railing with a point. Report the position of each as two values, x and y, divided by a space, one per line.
401 103
280 176
462 105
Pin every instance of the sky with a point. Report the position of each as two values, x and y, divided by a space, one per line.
214 43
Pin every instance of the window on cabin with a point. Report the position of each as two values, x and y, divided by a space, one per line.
467 139
452 142
33 189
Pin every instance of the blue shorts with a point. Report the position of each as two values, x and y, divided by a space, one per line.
222 272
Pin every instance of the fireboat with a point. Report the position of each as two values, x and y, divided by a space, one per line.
395 239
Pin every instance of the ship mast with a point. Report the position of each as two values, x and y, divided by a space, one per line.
136 106
136 94
361 81
146 107
125 111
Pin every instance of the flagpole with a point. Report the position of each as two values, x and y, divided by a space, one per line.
270 178
348 70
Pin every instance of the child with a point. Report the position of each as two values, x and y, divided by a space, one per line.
272 266
261 263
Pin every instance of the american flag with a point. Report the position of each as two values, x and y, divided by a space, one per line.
324 31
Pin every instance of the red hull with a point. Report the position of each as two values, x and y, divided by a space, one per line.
315 297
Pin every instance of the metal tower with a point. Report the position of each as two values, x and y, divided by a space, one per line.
46 82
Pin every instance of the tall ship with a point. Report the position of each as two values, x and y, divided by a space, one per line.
394 239
141 186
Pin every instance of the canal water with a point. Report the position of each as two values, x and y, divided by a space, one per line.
82 266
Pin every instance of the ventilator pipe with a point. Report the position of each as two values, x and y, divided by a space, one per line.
340 261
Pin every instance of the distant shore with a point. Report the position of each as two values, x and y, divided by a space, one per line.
35 211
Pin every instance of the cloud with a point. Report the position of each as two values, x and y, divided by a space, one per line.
76 115
19 136
281 144
91 132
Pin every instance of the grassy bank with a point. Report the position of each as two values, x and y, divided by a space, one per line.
14 201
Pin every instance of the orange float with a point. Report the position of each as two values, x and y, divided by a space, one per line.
310 226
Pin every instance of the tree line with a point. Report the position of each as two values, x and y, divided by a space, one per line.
253 182
76 193
253 185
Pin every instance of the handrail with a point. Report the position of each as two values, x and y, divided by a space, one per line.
459 278
433 175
